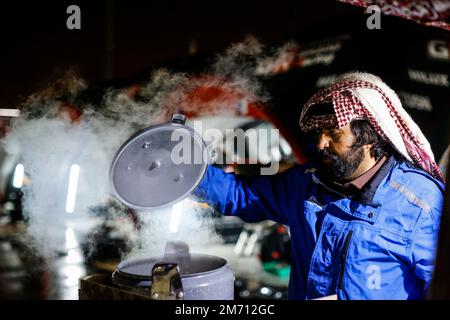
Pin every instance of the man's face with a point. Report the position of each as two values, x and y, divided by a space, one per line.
339 159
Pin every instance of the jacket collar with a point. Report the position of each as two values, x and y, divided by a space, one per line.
366 193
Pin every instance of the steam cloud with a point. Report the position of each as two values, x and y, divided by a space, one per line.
49 144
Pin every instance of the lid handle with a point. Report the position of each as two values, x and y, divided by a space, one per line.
178 118
166 282
176 249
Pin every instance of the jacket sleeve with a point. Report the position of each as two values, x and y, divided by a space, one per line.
252 199
424 246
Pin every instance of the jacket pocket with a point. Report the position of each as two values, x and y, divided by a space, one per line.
344 259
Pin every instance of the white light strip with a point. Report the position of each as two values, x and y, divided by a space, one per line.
175 216
18 176
9 113
71 241
72 190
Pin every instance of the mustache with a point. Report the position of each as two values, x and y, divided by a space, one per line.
326 153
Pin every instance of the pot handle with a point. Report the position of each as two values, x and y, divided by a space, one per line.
166 282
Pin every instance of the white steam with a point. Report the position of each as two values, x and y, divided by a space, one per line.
181 222
49 150
51 147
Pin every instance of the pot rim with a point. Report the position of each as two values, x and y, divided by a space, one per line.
152 261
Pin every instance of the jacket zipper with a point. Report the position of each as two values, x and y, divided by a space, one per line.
344 259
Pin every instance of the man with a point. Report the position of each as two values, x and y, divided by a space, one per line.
364 219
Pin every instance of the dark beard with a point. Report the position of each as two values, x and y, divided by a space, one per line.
340 168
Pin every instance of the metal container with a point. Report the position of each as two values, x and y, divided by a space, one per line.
177 275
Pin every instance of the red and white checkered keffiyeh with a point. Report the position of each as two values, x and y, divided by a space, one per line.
365 96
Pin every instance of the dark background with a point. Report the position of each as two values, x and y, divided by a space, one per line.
120 38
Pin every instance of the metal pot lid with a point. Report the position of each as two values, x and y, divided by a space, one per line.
159 165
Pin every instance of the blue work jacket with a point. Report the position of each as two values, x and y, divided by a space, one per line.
377 247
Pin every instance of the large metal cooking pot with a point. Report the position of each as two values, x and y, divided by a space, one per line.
177 275
146 174
148 170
